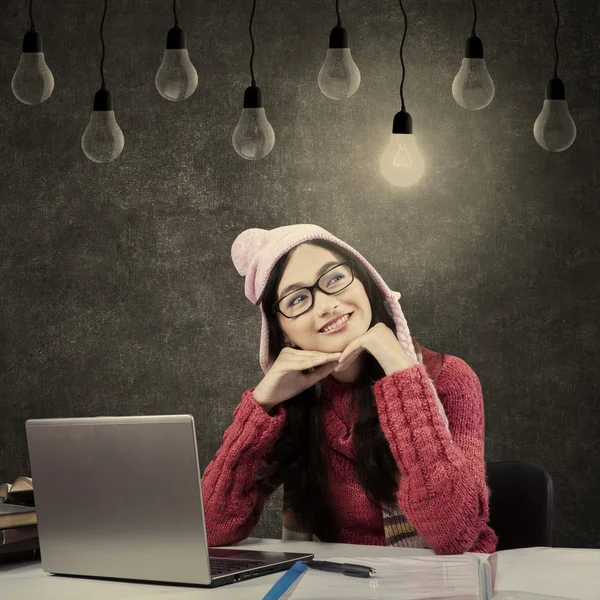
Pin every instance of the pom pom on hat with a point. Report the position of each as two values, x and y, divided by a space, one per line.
246 246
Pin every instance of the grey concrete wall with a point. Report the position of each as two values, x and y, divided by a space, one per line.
117 291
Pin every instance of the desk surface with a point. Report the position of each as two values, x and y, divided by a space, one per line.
27 581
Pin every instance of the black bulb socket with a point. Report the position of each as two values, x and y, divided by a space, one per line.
176 39
402 123
253 97
103 100
555 89
32 42
338 38
473 47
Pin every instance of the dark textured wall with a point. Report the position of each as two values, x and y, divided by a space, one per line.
118 295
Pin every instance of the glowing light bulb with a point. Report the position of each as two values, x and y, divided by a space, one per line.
402 163
339 76
32 82
103 139
473 87
253 137
176 78
554 129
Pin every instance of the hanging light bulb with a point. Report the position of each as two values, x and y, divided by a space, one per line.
176 78
103 139
32 82
253 137
554 129
473 87
402 163
339 76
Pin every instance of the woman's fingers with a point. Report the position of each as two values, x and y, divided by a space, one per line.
346 360
304 354
311 362
322 371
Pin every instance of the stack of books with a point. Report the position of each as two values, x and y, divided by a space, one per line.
18 521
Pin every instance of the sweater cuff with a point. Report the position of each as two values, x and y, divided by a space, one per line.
411 419
261 428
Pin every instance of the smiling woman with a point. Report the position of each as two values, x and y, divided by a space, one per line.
317 318
372 441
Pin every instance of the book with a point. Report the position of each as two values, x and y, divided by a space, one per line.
15 515
18 492
538 573
19 543
14 535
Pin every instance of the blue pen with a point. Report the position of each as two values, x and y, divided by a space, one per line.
286 581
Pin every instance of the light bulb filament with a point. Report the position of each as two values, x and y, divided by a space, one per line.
402 158
473 80
338 69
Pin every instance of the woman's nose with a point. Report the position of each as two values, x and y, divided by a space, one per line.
324 303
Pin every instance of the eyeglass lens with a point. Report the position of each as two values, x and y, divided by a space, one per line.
301 299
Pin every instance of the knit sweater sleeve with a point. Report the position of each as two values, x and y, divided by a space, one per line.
232 493
443 490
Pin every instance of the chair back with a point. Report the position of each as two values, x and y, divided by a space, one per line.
521 504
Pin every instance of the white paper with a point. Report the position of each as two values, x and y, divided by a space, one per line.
409 578
540 573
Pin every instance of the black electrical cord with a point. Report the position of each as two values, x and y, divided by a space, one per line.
252 40
31 15
473 34
401 58
103 46
555 36
175 13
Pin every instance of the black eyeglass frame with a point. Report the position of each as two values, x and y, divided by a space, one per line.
315 286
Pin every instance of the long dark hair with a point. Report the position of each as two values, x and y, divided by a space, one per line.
297 453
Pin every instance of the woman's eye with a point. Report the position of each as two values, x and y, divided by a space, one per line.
335 279
294 300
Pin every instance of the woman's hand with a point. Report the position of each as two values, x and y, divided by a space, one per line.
382 343
285 379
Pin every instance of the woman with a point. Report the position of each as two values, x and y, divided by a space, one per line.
375 439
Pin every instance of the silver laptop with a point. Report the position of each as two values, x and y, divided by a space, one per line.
120 497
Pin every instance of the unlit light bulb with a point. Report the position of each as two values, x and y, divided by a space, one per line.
176 78
473 87
32 82
554 129
402 163
339 76
103 139
253 137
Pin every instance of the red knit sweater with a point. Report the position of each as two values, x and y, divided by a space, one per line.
442 490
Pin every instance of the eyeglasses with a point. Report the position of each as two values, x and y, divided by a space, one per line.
299 301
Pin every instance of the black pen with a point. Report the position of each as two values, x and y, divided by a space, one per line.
343 568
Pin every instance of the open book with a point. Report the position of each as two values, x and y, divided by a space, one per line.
18 492
523 574
17 504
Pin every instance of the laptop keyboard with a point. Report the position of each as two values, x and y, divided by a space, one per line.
221 566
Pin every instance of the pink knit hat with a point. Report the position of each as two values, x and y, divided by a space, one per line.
256 251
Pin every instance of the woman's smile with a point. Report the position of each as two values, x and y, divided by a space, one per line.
338 325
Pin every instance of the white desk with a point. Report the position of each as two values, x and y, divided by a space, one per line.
27 581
